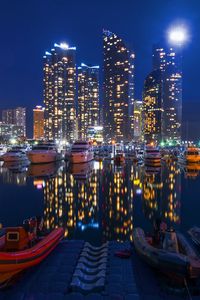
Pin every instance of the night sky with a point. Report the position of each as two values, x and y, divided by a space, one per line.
30 27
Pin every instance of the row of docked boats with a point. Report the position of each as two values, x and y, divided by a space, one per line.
81 151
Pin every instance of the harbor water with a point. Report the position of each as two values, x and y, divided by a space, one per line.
100 201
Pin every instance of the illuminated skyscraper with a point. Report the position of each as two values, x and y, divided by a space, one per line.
88 98
38 123
59 93
152 107
168 60
137 123
118 88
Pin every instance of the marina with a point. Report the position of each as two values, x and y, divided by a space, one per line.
99 204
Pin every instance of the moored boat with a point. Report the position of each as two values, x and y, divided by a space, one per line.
21 248
44 153
81 152
14 155
176 258
190 155
152 156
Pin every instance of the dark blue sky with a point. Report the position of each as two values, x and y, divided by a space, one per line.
28 28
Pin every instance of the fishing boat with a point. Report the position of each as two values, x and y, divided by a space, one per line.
22 248
175 258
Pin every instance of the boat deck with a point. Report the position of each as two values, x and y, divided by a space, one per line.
125 279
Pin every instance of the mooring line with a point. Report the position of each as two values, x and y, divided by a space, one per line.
186 285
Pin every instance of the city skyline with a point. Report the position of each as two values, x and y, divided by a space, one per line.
27 87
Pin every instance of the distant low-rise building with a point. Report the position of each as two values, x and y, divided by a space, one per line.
38 123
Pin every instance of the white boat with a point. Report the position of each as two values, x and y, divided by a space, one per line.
81 152
190 155
14 155
152 156
3 150
44 153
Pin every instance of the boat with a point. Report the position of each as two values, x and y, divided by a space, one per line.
44 153
190 155
21 248
119 157
14 155
175 259
3 150
81 152
152 156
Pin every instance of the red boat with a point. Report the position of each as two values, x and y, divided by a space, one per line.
21 248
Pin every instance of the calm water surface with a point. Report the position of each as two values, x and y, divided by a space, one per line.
100 201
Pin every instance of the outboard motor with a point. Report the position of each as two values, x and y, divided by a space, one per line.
40 225
26 225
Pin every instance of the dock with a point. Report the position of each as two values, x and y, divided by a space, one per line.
65 275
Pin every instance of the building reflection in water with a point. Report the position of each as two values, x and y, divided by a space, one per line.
72 198
100 196
161 193
117 203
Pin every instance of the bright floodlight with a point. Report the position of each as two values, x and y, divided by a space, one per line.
177 35
64 46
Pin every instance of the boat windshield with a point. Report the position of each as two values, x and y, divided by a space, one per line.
79 149
42 148
14 151
192 153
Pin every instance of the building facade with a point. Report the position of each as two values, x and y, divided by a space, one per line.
118 89
17 117
137 122
38 123
10 131
88 99
59 93
153 107
169 61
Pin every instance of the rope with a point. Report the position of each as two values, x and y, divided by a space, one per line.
187 289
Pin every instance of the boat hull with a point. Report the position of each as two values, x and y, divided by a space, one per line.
83 157
8 158
12 263
42 158
171 263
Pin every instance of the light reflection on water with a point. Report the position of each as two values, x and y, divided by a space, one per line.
100 201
